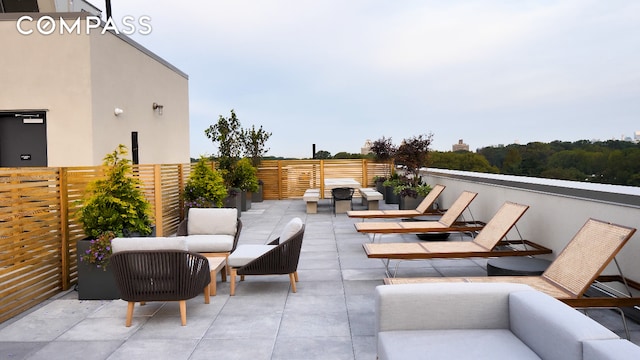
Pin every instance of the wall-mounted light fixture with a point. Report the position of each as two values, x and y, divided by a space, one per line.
158 107
118 111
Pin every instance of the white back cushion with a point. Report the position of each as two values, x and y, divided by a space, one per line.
208 221
293 226
148 243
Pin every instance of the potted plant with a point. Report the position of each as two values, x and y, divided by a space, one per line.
205 187
112 206
410 196
253 141
245 179
384 151
379 182
389 185
412 154
258 196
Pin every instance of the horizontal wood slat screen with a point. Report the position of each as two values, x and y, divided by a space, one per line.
39 225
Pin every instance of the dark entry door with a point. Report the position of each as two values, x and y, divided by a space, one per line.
23 139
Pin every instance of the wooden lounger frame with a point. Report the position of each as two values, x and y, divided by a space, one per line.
424 208
490 242
574 271
447 223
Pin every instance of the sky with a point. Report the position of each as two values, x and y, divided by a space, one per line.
335 73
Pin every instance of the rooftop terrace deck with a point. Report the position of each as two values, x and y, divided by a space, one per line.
330 317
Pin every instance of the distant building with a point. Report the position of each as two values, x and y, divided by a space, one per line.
460 146
366 148
636 136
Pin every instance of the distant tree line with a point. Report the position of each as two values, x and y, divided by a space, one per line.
608 162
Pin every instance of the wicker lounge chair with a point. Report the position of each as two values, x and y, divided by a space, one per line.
573 272
488 243
278 257
447 223
425 208
158 269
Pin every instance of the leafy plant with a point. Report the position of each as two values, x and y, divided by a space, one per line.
99 252
115 203
413 154
205 187
412 191
245 176
253 141
384 150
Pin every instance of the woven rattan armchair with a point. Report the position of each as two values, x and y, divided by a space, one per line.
278 257
159 275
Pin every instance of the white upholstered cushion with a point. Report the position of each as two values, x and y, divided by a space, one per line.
206 221
550 327
293 226
613 349
209 243
246 253
452 344
148 243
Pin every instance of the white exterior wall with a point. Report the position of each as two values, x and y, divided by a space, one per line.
552 219
80 79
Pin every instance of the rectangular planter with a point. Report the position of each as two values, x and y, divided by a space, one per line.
234 201
258 195
94 283
245 200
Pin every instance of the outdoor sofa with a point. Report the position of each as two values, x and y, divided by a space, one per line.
487 321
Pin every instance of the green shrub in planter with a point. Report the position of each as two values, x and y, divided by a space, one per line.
205 187
115 203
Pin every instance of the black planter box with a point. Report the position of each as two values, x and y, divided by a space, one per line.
390 197
94 283
257 196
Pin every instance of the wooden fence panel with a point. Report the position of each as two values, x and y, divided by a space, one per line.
39 226
30 238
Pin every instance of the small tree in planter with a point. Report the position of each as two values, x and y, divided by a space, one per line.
413 154
113 206
205 187
244 177
116 203
383 150
254 147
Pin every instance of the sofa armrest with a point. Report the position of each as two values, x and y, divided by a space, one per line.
432 306
550 327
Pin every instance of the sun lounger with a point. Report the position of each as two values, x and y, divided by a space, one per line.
425 208
573 272
447 223
488 243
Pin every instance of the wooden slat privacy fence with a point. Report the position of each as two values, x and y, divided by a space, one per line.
39 227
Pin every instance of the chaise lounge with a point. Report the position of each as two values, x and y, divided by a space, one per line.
424 208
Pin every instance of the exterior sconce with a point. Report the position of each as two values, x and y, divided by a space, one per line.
118 111
158 107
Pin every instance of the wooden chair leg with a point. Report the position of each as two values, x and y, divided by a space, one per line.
292 280
209 290
130 306
234 273
183 312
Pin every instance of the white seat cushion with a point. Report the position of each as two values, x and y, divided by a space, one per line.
148 243
452 344
207 221
246 253
293 226
209 243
